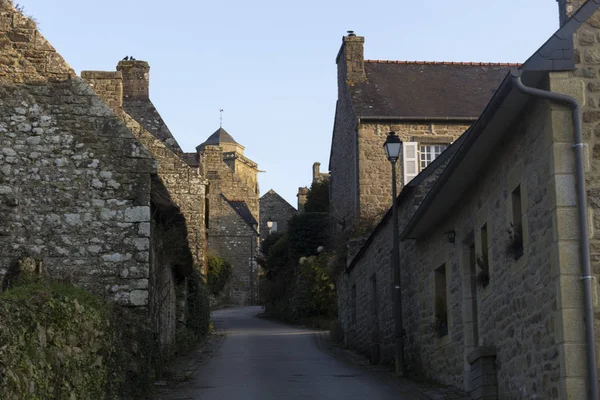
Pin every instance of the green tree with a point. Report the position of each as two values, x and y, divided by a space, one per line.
317 199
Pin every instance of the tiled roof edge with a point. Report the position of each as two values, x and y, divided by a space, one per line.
492 64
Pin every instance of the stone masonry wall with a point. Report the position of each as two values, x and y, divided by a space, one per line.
233 239
274 208
515 313
74 182
516 310
137 103
375 261
185 185
228 234
343 164
584 84
108 85
375 175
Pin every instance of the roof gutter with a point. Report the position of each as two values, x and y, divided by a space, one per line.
415 118
584 245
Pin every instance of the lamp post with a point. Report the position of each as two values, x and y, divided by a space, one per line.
392 146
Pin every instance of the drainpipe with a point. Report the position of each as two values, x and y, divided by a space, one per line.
587 277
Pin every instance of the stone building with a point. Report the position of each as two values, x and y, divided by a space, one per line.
179 186
82 190
376 97
491 250
274 214
232 210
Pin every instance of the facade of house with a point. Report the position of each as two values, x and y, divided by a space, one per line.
232 210
376 97
491 246
86 192
275 212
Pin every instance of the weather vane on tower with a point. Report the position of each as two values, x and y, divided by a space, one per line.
220 117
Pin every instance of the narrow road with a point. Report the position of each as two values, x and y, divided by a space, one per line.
262 359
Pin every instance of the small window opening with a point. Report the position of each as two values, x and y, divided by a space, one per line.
441 302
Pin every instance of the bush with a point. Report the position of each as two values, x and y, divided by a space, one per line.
322 299
279 255
218 273
198 305
60 342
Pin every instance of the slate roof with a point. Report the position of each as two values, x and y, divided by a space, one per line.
190 159
242 209
144 112
220 136
426 89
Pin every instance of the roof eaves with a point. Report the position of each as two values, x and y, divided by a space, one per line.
405 193
546 59
414 118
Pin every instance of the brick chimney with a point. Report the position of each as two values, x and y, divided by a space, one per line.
351 60
566 8
136 76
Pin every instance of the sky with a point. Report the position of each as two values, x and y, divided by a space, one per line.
270 64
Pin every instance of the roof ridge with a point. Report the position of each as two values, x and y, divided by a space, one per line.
470 63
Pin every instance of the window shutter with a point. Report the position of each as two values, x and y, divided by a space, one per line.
410 160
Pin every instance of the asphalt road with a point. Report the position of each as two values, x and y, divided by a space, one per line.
262 359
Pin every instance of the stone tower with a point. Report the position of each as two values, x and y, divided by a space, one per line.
232 211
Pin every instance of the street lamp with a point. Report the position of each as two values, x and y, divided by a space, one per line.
392 146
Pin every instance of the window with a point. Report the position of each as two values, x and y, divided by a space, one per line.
515 247
353 304
441 302
374 297
429 152
483 259
417 156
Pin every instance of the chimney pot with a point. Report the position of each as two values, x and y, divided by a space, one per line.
136 79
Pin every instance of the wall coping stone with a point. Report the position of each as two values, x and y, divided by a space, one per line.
480 352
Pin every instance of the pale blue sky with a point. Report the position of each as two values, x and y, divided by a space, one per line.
271 64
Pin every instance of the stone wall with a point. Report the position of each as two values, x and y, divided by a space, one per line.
360 323
375 175
74 182
229 235
274 208
231 238
137 103
185 184
514 313
343 160
582 83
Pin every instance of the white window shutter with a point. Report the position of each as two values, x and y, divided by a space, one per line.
410 161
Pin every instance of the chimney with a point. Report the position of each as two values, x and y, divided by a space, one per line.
350 59
136 75
107 85
316 168
302 193
566 9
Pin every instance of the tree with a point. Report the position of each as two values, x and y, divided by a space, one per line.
317 199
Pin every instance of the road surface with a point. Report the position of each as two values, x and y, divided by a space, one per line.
265 360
